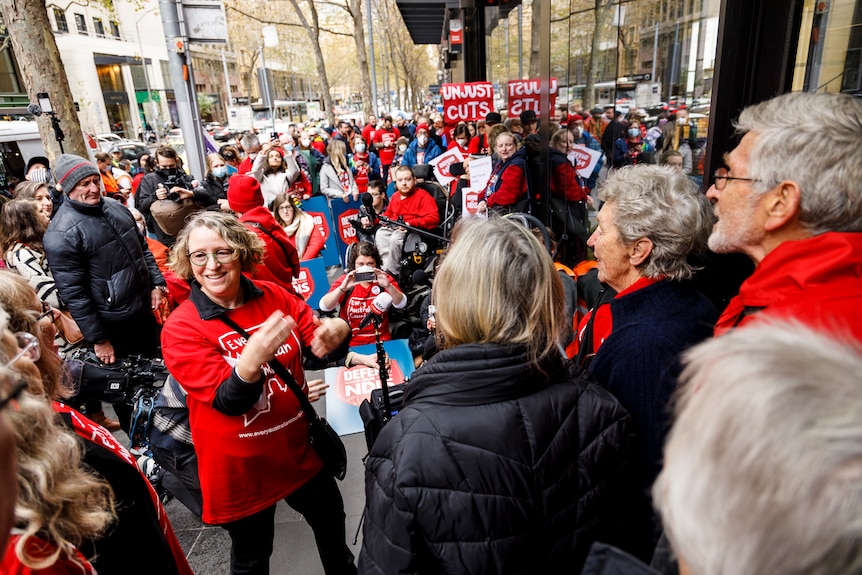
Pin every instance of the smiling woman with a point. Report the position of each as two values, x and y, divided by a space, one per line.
652 220
242 416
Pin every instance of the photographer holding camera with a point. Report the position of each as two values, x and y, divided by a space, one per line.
169 182
355 291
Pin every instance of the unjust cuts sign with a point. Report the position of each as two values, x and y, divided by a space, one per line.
467 102
523 95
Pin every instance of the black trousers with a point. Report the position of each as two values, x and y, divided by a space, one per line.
181 464
320 503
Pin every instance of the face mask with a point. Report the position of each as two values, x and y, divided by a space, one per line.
577 132
682 121
423 141
402 148
288 148
633 132
360 148
305 142
220 172
168 172
462 142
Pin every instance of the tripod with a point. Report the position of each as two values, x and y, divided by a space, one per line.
58 131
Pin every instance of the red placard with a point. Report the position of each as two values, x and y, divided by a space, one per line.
303 284
523 95
345 228
355 384
467 102
321 222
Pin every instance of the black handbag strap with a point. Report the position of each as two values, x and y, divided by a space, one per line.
281 371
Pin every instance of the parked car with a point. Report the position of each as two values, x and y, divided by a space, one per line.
130 148
174 135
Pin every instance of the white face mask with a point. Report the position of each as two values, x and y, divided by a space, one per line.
305 142
402 148
423 141
578 132
461 142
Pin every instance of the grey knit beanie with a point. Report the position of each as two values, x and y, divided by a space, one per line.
71 169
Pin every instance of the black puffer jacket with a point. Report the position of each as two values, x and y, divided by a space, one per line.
101 264
492 467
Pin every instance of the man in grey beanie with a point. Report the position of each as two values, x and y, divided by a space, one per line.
103 269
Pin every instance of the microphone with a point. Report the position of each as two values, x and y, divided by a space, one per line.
35 109
379 306
368 203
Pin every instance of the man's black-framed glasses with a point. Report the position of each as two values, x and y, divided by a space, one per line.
720 177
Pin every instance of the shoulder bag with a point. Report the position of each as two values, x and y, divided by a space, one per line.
321 436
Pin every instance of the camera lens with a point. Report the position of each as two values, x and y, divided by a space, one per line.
174 196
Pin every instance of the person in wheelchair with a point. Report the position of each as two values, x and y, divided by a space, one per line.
355 291
410 205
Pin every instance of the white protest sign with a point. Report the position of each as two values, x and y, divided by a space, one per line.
442 162
480 172
470 202
585 160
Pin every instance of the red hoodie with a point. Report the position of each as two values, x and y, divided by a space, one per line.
280 262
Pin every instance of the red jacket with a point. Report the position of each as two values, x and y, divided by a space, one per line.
280 262
246 462
817 281
418 209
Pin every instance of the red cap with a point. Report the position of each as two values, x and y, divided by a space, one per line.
422 127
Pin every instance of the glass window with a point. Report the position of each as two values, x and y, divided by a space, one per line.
115 29
829 54
60 21
81 24
98 27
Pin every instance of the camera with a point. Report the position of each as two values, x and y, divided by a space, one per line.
364 274
117 382
273 135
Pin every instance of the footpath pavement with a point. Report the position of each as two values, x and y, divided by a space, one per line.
294 551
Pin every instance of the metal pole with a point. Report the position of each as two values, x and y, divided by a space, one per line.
654 52
144 66
373 67
520 42
267 94
226 81
181 77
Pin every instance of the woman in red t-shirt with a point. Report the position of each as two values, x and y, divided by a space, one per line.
355 297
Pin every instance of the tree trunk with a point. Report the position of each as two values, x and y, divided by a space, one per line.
42 71
355 7
313 30
602 12
399 102
535 62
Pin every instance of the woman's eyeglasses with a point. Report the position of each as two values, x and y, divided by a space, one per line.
220 256
28 346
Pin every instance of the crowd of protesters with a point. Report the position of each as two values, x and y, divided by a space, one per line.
588 409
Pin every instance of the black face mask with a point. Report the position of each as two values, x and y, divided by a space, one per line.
168 172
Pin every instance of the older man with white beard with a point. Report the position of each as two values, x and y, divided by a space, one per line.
790 198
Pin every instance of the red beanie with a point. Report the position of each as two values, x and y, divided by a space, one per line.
422 126
243 193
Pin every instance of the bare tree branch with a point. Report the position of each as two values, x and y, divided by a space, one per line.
290 24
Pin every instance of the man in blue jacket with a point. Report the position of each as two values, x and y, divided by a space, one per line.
421 150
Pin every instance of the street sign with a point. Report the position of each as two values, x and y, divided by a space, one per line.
205 21
641 77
